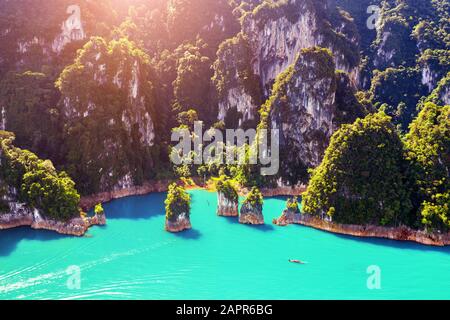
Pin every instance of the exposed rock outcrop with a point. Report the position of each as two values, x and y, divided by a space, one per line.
227 198
290 215
400 233
283 191
110 83
305 109
178 207
181 223
71 30
252 209
251 214
21 215
272 35
227 207
441 95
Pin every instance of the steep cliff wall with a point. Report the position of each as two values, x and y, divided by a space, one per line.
405 47
109 108
272 36
303 107
37 33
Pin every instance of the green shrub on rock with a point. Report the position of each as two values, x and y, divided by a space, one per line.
254 198
226 187
363 177
292 205
178 202
428 145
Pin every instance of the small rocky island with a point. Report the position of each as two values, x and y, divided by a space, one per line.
251 211
227 198
178 207
290 215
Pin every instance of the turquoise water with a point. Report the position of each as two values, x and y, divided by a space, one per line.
134 258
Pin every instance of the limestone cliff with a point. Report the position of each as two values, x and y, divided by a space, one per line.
290 215
71 30
109 83
227 207
252 209
304 109
441 94
15 214
38 33
272 35
181 223
251 214
402 233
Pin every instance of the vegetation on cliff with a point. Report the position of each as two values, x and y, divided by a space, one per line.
98 210
406 46
370 176
305 102
363 177
109 84
428 146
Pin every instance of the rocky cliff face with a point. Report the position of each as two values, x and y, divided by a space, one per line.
124 72
274 35
24 217
288 217
109 83
226 207
71 30
181 223
251 214
304 108
37 33
441 94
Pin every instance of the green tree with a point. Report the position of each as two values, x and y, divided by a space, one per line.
178 202
428 144
254 198
99 209
227 187
363 178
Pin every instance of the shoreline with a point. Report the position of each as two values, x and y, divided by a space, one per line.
398 234
368 231
79 226
88 202
75 227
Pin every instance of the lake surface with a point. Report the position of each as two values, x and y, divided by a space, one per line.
134 258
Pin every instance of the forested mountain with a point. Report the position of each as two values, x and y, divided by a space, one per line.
98 86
